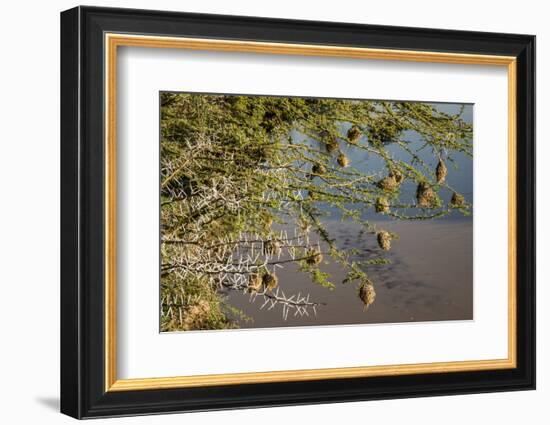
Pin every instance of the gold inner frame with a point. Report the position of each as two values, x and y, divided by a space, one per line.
113 41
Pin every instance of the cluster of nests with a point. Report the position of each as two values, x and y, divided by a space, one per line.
256 282
354 134
319 169
269 281
390 183
382 134
332 146
274 248
426 196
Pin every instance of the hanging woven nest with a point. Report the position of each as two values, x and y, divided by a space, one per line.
382 205
384 240
343 160
254 282
367 294
314 257
388 183
425 196
440 172
397 175
270 281
318 169
354 134
272 247
457 200
332 145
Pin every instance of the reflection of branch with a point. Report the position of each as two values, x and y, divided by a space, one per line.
243 255
225 267
298 303
236 242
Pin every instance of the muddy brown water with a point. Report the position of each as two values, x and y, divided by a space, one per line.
430 279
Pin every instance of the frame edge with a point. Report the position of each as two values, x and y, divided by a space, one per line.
70 349
526 203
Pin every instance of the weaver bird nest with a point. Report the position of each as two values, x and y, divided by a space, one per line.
354 134
270 281
382 205
388 183
367 294
343 160
457 200
332 145
397 176
426 196
314 257
384 240
272 247
440 172
254 283
318 169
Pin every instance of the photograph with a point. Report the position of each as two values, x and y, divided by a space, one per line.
283 211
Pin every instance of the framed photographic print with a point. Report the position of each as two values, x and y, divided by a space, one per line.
261 212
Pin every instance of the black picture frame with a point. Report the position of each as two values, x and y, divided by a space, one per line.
83 392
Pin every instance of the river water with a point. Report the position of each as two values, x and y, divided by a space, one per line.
430 277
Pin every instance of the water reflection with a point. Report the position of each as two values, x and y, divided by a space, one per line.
431 272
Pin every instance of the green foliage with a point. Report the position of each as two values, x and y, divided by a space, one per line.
192 305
